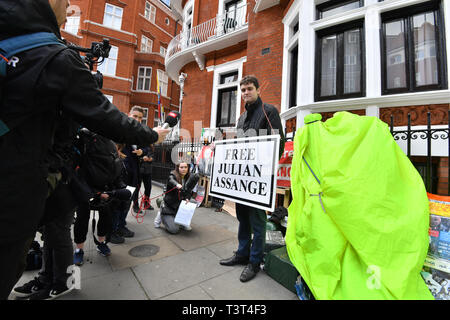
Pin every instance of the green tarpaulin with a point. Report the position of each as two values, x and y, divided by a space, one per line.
358 221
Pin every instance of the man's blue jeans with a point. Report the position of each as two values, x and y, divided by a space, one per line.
251 219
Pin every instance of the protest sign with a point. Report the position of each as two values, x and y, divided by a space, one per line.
244 171
285 164
185 213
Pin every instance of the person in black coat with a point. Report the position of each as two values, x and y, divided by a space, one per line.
258 119
42 83
179 188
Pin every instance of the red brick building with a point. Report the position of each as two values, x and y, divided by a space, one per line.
373 57
139 32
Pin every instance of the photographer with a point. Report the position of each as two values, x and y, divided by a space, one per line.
40 83
104 202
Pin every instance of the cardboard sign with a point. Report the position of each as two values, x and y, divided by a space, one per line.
285 164
244 171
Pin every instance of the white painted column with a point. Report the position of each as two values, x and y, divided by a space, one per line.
373 111
373 55
306 55
301 114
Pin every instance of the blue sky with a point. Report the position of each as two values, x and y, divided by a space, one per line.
166 2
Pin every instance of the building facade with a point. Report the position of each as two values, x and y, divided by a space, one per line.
370 57
139 32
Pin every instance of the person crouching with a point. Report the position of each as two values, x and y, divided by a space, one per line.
179 188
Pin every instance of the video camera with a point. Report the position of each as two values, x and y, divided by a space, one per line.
97 51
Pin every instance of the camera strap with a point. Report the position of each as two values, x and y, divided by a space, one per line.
12 46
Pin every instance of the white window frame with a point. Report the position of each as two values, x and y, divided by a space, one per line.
114 16
150 12
162 51
155 118
146 44
145 116
163 79
72 27
218 71
144 77
110 62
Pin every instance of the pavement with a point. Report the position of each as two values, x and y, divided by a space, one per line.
171 267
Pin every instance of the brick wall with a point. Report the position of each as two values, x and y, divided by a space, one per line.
265 31
128 40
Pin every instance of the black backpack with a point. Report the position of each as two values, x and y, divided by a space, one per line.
99 164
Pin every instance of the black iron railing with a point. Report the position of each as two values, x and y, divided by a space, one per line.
428 171
168 153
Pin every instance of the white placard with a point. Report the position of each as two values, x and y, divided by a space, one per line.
185 213
244 171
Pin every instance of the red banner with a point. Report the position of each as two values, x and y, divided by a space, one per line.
284 166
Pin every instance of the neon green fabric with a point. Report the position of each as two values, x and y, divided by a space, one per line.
362 232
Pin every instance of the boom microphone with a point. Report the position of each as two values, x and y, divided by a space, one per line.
171 119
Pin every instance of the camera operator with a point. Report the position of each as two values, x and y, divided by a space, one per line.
41 83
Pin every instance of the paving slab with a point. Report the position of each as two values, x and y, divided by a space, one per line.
224 249
201 236
120 257
172 274
228 286
119 285
192 293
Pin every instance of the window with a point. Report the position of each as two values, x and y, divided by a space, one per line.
163 82
340 62
145 116
146 44
110 98
150 12
108 66
156 119
162 50
144 79
227 100
167 21
413 50
113 16
333 7
234 15
293 56
72 24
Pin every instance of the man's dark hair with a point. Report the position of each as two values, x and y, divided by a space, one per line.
248 80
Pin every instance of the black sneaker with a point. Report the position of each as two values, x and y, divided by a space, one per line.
29 288
116 238
136 208
53 292
125 232
103 249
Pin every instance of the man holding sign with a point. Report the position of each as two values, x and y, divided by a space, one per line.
259 119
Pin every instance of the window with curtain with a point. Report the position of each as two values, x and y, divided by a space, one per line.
340 62
113 16
144 79
413 50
